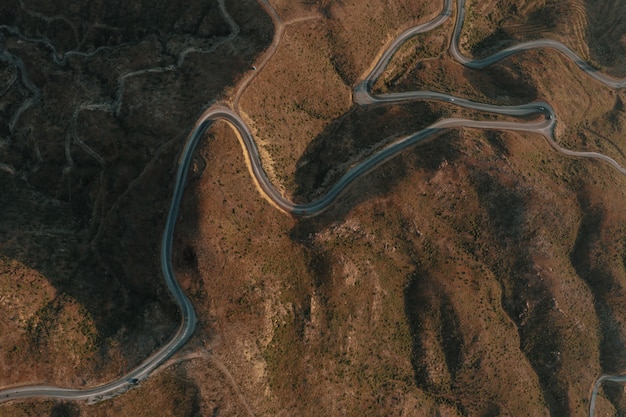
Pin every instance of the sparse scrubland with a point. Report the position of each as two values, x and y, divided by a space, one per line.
480 273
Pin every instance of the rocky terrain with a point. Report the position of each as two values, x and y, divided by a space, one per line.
96 102
477 274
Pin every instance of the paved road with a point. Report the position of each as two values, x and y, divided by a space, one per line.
525 46
184 332
543 124
596 387
219 112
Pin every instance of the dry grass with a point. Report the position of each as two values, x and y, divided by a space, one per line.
478 274
82 298
452 280
294 9
396 300
585 26
307 83
589 115
294 98
359 30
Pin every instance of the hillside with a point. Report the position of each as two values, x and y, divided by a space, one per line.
88 141
479 273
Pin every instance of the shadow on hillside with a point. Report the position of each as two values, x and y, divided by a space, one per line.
606 32
602 282
107 260
504 83
357 135
65 410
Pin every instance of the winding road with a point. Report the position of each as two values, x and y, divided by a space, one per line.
543 124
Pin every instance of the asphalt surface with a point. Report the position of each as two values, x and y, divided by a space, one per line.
543 124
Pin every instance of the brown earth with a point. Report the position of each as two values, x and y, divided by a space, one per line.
80 227
594 29
479 273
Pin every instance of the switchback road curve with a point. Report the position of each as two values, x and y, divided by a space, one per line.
543 124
